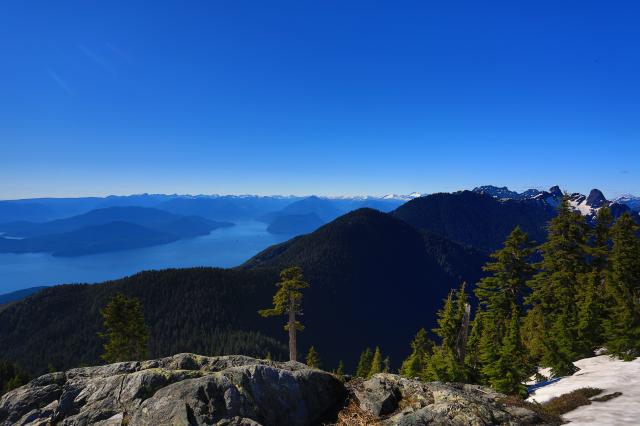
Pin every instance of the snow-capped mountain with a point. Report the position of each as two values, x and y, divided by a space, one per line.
587 205
401 197
630 201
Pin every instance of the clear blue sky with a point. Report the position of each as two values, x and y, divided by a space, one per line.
325 97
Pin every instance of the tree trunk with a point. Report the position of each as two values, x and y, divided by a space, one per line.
292 330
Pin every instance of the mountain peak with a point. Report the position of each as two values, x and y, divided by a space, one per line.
596 198
556 191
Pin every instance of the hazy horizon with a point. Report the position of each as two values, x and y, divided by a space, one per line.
299 195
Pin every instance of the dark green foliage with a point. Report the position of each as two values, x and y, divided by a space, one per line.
376 363
622 328
508 371
313 359
556 289
509 270
340 370
386 365
497 356
421 348
364 365
208 311
472 356
11 377
125 334
446 364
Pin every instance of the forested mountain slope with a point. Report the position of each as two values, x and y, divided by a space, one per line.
374 281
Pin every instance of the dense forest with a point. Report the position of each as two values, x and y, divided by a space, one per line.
582 293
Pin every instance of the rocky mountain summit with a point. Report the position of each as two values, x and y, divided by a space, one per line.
587 205
188 389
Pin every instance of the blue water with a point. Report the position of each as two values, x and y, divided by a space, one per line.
224 247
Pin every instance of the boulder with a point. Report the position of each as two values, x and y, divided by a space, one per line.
184 389
394 400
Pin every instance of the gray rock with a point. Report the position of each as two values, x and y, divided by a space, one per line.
417 403
183 389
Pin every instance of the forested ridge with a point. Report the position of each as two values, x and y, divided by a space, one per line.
361 266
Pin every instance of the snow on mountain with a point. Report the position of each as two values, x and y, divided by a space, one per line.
587 205
607 373
402 197
630 201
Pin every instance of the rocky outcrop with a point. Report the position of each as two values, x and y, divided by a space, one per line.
393 400
188 389
184 389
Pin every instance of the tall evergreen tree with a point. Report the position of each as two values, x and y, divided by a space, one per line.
340 370
416 363
288 300
386 364
498 293
125 333
591 298
447 361
508 372
622 328
556 289
472 357
509 270
376 363
313 359
364 364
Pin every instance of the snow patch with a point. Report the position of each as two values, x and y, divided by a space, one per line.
609 374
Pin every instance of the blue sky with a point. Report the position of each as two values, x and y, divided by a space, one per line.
326 97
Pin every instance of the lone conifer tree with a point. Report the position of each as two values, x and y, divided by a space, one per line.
288 300
126 335
313 359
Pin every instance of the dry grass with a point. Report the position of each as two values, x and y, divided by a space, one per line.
570 401
550 412
352 415
539 409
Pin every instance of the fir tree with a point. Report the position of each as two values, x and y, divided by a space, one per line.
509 272
364 365
622 328
376 363
313 359
386 365
126 335
416 363
340 370
288 300
447 361
508 371
556 289
472 357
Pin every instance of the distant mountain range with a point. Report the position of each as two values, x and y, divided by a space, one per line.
103 230
587 205
214 207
